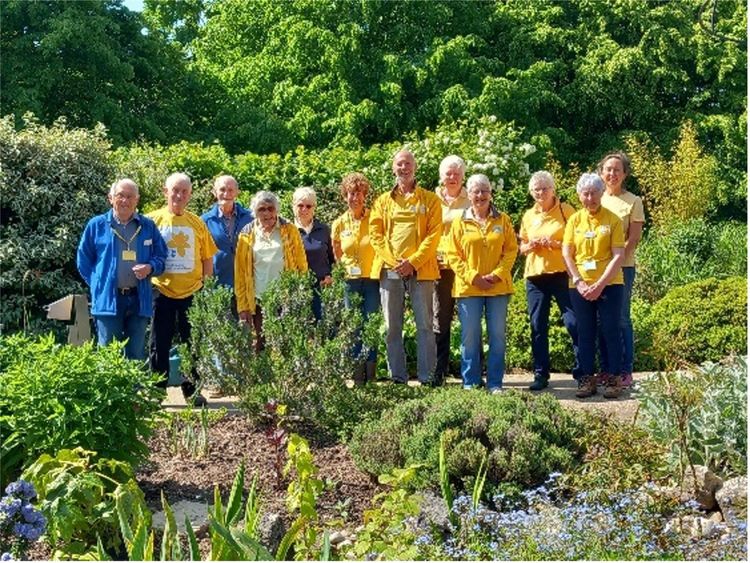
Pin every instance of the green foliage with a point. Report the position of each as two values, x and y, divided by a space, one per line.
700 415
54 179
518 335
304 365
698 322
79 493
386 534
523 437
187 430
57 396
618 457
690 251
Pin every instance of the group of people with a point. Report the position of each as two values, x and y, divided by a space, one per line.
449 250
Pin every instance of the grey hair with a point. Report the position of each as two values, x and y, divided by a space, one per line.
264 197
224 178
176 178
304 193
478 180
590 180
541 177
116 184
451 161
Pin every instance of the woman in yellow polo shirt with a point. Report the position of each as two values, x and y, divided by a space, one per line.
352 248
267 246
481 251
541 236
593 248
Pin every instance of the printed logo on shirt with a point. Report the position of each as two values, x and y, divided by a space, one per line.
180 249
604 229
497 229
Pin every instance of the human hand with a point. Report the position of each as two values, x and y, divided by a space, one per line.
480 282
326 281
594 292
404 269
244 316
142 271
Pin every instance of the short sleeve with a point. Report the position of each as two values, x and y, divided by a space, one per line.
570 228
637 215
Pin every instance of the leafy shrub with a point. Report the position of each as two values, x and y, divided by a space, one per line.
78 492
57 396
700 415
54 179
305 363
518 350
689 252
698 322
524 437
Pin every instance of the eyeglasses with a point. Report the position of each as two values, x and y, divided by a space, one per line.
540 189
265 209
304 205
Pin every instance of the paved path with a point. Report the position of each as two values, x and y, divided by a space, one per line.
561 386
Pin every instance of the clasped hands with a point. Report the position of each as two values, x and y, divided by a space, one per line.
590 292
485 282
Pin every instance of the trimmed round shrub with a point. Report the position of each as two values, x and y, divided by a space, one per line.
524 438
701 321
518 351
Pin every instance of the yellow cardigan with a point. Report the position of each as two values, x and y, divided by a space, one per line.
244 277
475 250
429 229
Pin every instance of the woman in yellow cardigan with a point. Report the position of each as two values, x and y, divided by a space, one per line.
481 251
266 247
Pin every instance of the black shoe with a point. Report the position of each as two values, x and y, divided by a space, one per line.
197 400
437 380
540 382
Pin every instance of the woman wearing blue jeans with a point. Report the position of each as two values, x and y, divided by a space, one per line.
481 250
614 169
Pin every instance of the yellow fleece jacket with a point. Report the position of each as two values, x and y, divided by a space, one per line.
244 277
429 226
475 249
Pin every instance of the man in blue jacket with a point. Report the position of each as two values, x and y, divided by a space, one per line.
225 221
118 254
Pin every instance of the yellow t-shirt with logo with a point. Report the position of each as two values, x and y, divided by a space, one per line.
629 208
593 236
404 232
538 223
354 237
188 243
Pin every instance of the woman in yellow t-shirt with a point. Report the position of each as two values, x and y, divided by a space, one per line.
593 250
541 236
614 169
352 248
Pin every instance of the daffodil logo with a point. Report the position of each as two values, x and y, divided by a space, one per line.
181 245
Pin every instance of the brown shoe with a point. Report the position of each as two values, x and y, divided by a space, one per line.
586 387
613 388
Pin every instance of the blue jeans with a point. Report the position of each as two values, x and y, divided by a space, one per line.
626 326
393 298
604 312
470 312
369 303
540 290
125 324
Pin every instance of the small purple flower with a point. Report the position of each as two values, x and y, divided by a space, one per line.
21 489
10 506
6 557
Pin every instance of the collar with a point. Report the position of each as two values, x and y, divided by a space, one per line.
113 219
440 192
538 208
220 215
396 190
468 214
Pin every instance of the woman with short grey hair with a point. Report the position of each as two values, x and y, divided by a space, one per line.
541 237
453 201
593 251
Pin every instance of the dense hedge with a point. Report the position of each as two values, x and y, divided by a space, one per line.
524 437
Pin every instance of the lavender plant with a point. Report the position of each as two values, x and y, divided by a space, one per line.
20 523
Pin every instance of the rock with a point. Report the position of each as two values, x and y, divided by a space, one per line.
271 530
336 538
716 517
433 512
702 486
345 544
732 500
695 526
197 513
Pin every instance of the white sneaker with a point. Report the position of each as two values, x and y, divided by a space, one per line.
496 391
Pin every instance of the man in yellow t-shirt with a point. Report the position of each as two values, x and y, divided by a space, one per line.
190 251
405 228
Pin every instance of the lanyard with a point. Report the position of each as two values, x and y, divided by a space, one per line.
127 242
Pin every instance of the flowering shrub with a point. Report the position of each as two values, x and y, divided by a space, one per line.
20 523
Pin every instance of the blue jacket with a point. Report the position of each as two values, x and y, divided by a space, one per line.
97 262
224 259
318 249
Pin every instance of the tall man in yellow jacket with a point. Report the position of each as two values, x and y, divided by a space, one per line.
190 251
405 228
